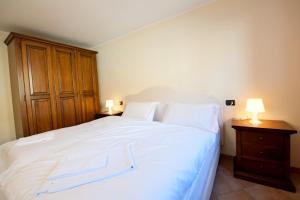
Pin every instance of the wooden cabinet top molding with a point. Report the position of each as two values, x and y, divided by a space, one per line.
13 35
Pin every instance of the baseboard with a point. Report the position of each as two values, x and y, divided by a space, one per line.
226 156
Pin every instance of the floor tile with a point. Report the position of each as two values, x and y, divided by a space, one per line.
244 183
225 184
212 196
225 165
240 195
261 192
228 187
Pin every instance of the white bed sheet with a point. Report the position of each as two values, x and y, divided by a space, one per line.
203 183
168 158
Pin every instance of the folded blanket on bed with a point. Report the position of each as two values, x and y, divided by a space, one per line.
72 167
119 161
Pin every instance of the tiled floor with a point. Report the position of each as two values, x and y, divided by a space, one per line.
227 187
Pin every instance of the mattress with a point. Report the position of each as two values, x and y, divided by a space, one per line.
203 183
169 161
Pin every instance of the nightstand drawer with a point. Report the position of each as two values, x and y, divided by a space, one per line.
262 168
275 140
262 152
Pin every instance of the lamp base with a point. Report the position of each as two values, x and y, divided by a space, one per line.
255 122
254 119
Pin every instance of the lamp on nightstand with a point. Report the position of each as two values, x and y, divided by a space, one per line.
109 104
255 106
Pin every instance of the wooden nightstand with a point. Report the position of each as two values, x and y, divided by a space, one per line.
106 114
263 152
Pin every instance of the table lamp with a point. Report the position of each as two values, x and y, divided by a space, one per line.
109 104
255 106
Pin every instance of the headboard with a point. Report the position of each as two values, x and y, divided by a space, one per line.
166 95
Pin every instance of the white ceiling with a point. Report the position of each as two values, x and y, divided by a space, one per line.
86 22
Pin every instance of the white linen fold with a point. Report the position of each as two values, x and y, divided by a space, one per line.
35 139
72 167
118 160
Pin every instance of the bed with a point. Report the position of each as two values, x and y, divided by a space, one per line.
166 161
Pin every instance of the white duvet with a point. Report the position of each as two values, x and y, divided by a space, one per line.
166 157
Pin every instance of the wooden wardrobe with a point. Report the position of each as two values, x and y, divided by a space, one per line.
53 85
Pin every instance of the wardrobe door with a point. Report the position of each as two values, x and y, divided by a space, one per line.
67 99
88 84
38 83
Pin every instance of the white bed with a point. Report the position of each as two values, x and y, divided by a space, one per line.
171 162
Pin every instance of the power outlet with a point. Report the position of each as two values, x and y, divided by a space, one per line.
230 102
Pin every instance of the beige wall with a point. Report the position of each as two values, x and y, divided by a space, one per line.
232 48
7 127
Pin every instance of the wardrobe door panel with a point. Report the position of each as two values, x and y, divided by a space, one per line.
38 84
38 69
67 98
89 107
42 115
86 63
68 111
88 84
65 66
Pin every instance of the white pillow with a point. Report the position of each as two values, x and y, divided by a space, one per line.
203 116
140 110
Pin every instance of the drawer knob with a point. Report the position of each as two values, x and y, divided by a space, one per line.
261 152
260 137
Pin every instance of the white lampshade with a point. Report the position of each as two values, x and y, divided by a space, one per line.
255 105
109 103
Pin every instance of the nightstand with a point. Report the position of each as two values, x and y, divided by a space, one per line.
106 114
263 152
